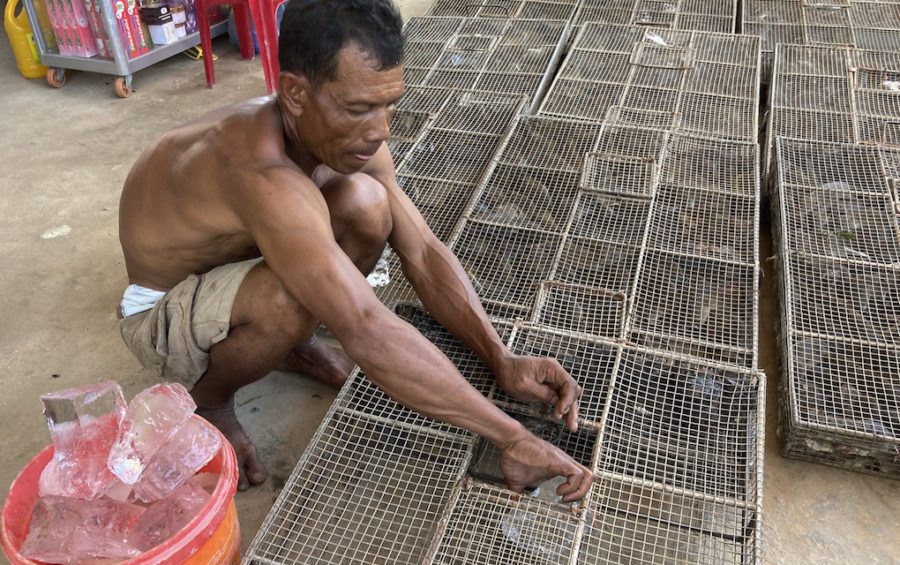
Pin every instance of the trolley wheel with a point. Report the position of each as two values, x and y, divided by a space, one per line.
123 87
56 78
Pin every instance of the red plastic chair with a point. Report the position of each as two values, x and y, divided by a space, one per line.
266 25
242 21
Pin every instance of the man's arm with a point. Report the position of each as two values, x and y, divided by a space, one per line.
290 224
447 293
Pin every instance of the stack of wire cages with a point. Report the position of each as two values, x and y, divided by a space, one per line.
443 143
693 82
839 258
836 94
674 444
689 15
616 231
509 56
510 9
864 24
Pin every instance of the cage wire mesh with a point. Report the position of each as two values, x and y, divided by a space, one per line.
871 24
690 15
837 94
691 82
509 56
511 9
838 240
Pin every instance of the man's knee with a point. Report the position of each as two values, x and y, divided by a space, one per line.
264 302
359 209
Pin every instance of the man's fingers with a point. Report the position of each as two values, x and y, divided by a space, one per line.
576 485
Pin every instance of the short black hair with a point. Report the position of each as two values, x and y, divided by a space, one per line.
314 31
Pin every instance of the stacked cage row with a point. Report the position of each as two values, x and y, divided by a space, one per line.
839 259
836 94
674 443
705 84
864 24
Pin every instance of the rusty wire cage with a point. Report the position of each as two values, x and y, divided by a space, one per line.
689 15
693 82
839 257
675 445
864 24
836 94
511 9
509 56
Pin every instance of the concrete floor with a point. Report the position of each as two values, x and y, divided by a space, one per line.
63 157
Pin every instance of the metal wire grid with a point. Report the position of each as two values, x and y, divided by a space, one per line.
512 9
691 15
702 83
840 284
489 54
350 498
863 24
677 465
832 93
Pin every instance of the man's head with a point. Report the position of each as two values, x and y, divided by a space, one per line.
340 76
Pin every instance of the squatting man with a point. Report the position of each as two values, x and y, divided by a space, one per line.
245 229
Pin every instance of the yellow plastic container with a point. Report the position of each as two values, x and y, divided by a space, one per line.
19 32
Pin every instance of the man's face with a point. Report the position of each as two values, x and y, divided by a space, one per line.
346 120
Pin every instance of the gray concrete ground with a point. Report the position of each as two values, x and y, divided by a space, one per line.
63 157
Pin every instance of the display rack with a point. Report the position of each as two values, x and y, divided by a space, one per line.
120 65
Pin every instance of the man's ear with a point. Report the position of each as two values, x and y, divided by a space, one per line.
294 90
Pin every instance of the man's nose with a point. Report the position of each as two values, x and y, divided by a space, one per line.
380 127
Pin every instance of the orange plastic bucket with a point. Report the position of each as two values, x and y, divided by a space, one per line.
213 536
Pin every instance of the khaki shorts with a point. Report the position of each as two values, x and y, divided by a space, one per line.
175 336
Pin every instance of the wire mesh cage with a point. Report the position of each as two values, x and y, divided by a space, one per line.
511 9
690 15
692 82
509 56
832 93
838 239
865 24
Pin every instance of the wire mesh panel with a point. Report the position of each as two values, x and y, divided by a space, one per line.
691 15
510 56
865 24
840 284
349 498
513 9
834 93
704 83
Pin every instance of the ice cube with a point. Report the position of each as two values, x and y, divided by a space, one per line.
83 422
191 448
166 517
69 530
152 418
206 481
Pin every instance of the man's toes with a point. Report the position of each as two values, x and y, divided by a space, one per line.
256 473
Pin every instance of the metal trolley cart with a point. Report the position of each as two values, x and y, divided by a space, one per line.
120 64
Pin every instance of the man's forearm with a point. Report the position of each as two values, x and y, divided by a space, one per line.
446 292
415 373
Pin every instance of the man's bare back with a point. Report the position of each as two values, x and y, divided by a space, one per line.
246 182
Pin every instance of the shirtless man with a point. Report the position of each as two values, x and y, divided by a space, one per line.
306 182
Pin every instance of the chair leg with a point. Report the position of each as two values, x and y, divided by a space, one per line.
206 42
245 36
256 12
270 22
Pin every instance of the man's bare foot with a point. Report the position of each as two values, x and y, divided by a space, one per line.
319 361
251 468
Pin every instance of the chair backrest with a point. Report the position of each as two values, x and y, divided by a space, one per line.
266 23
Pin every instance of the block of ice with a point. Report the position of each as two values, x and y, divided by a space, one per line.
192 447
166 517
69 530
206 481
152 418
84 423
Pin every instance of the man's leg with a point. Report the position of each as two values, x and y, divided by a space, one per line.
267 324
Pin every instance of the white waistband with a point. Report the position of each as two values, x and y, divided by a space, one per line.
139 299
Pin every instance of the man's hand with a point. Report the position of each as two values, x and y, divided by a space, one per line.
541 379
530 460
